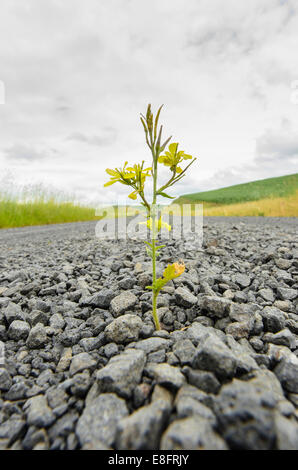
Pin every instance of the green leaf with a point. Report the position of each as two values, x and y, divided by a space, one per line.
149 252
165 144
156 121
169 272
144 125
165 195
159 284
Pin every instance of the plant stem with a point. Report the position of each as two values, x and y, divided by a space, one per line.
153 215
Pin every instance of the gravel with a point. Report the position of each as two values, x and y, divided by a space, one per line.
84 368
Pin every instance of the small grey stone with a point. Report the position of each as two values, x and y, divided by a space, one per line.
65 360
147 330
140 394
70 337
57 321
240 296
89 344
185 298
157 356
242 312
243 353
63 426
188 406
184 350
18 329
127 283
142 429
102 299
203 380
282 263
283 337
13 312
38 412
214 356
123 302
245 411
100 418
12 429
45 377
215 306
242 280
167 376
292 325
287 373
168 318
56 397
38 304
122 373
37 337
274 319
284 305
35 437
81 362
162 393
267 294
37 316
5 380
17 391
285 293
192 433
153 344
239 329
124 329
80 384
256 343
111 349
197 332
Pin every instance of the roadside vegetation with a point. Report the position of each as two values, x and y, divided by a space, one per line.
272 197
36 205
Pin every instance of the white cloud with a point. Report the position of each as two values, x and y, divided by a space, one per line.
78 74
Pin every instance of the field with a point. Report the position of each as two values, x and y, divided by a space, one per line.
275 197
43 208
19 214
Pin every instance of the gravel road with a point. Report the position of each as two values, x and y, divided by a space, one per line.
81 366
40 232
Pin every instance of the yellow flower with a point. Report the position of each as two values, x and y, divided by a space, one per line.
159 224
172 157
131 176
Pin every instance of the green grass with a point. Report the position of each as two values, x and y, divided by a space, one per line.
280 187
38 205
42 212
269 197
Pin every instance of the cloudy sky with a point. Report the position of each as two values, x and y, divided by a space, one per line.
77 75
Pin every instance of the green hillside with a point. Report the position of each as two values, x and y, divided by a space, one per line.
280 187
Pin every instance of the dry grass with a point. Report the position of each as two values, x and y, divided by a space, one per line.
267 207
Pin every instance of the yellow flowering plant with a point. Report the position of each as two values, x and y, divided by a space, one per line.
135 176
